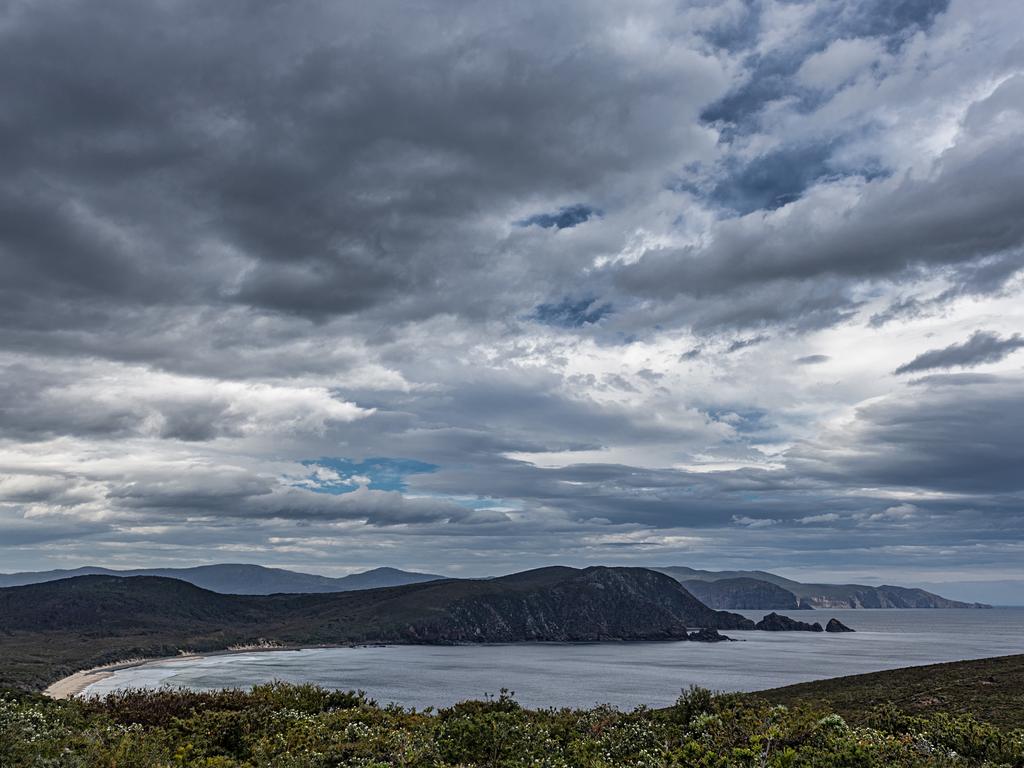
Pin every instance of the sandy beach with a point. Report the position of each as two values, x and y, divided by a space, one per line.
72 685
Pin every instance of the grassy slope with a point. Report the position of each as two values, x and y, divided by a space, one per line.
990 689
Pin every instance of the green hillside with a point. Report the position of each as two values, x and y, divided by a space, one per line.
52 629
989 689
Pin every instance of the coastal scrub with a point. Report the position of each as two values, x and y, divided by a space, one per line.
302 726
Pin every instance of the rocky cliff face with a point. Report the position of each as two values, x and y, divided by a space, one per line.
592 604
885 596
743 594
807 595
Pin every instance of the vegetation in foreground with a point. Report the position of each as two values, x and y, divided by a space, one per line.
293 726
989 689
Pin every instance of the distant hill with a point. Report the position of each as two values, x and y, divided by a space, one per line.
240 579
725 590
807 595
52 628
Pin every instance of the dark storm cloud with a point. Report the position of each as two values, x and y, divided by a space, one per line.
982 347
739 344
253 498
261 171
951 435
530 411
30 411
985 277
961 221
200 490
972 207
524 246
801 305
297 163
622 494
812 359
48 532
151 496
40 404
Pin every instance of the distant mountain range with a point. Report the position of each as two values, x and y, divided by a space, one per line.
760 590
721 590
240 579
52 628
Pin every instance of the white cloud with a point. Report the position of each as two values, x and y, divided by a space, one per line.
753 522
842 61
194 305
825 517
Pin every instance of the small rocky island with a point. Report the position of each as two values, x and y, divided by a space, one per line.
774 622
707 635
835 625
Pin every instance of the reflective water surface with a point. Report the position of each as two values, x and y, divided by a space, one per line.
624 674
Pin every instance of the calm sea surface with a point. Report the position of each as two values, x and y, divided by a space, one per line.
624 674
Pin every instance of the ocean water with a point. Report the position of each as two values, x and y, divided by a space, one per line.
624 674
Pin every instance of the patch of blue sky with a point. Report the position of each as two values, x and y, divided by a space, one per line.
743 420
338 475
564 218
572 313
780 176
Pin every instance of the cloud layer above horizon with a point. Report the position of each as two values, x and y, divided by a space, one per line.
469 287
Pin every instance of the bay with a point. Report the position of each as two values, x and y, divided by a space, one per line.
626 675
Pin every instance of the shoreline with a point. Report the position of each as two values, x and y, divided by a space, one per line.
76 683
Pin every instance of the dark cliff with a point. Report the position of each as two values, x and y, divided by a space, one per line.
822 595
743 594
593 604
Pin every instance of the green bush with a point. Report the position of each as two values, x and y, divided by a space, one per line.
303 726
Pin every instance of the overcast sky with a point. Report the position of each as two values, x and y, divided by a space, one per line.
470 287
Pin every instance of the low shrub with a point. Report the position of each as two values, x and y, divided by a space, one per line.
304 726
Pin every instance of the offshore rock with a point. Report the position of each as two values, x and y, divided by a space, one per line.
835 625
773 622
707 635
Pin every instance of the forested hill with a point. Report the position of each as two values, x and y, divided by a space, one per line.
52 628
